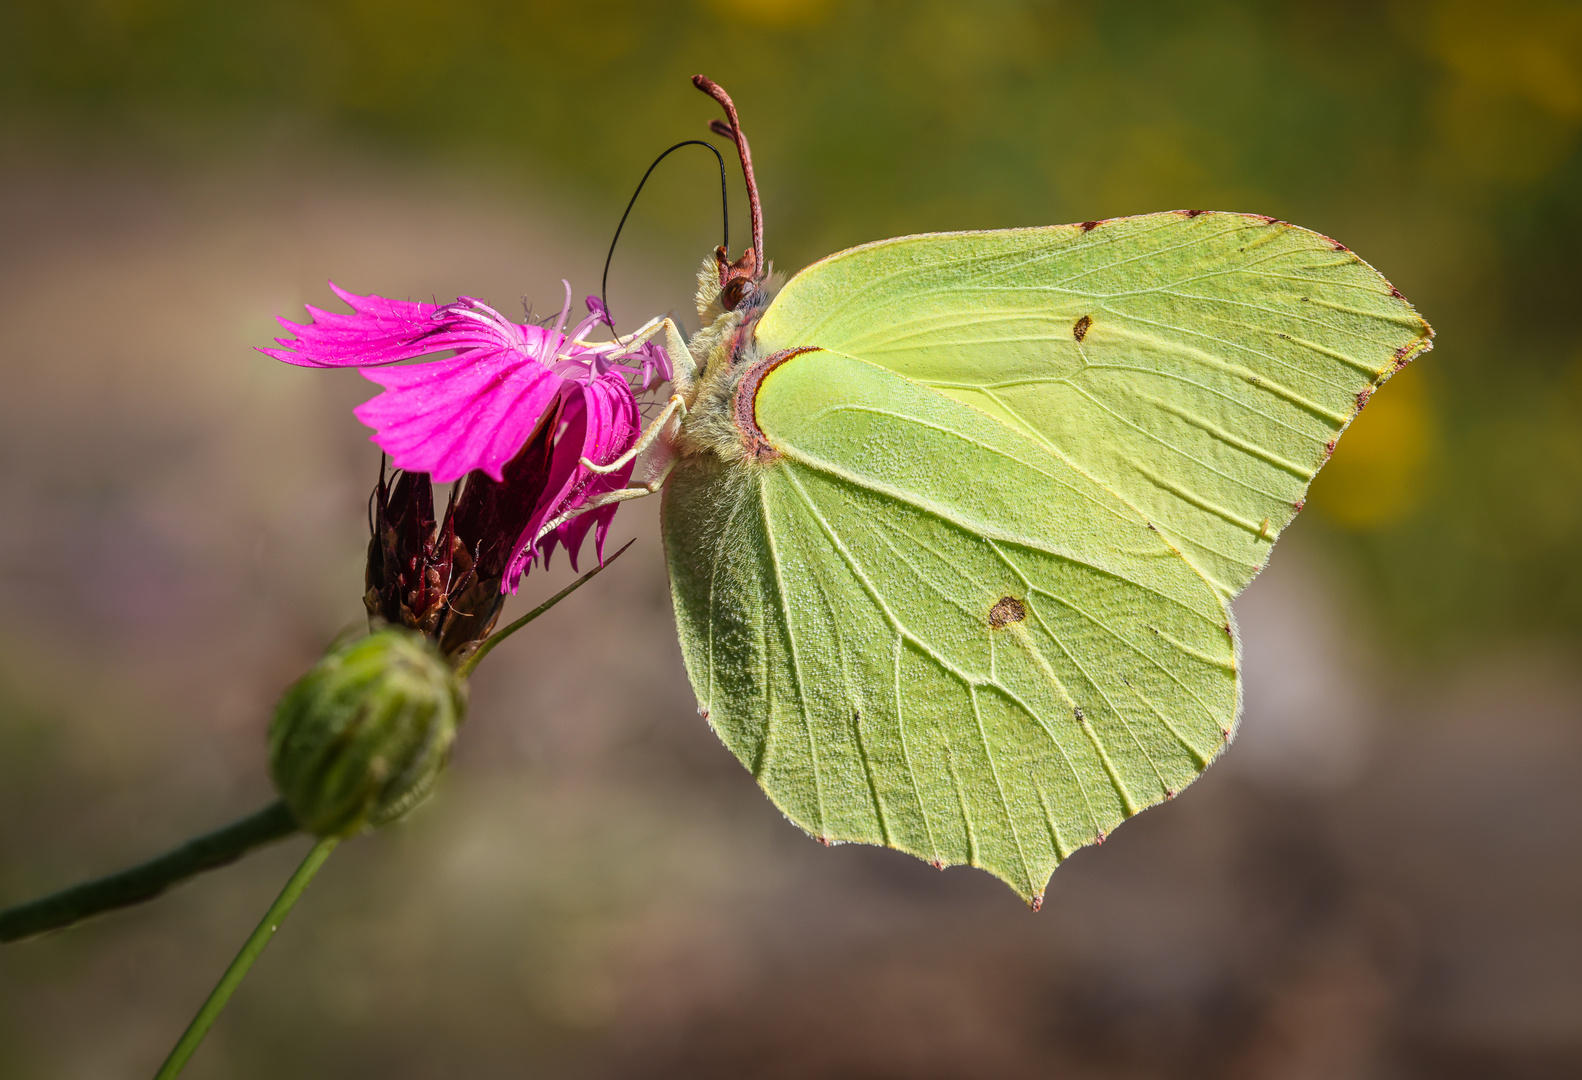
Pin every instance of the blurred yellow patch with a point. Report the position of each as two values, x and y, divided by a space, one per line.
1512 103
774 13
1531 49
1149 167
1380 469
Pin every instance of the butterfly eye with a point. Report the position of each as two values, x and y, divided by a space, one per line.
737 292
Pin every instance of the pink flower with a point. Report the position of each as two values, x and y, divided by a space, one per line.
477 409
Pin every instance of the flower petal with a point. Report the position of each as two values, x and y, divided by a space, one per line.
383 331
449 417
654 361
601 422
599 312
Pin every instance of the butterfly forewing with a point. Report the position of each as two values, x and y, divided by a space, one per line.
1201 366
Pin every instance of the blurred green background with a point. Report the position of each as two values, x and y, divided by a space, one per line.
1387 886
1438 138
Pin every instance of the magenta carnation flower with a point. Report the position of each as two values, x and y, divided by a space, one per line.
477 409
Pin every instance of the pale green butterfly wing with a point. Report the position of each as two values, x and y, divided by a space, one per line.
1199 365
920 629
1100 428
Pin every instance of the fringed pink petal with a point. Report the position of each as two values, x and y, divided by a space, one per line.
600 422
574 532
559 487
477 409
449 417
383 331
616 424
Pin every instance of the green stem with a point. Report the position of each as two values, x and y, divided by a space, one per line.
464 669
149 879
244 960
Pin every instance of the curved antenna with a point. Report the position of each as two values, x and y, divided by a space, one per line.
725 212
733 131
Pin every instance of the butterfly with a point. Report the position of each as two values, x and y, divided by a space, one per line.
953 521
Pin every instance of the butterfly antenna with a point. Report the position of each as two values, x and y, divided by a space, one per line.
733 131
725 212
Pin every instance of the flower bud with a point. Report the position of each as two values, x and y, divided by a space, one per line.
359 740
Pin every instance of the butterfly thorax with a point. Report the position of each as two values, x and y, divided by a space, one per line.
724 351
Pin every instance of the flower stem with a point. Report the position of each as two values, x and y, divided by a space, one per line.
147 880
464 669
244 960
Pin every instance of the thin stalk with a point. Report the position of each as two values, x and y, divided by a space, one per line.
464 669
244 960
147 880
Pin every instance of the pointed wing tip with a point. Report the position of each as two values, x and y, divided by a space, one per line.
1029 891
1025 882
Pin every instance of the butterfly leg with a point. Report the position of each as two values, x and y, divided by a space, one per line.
647 487
676 405
683 370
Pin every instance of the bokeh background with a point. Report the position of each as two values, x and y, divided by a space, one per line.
1382 879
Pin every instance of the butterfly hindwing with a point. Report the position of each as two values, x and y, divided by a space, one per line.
920 629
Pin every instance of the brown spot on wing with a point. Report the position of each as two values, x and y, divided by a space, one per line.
1080 330
1006 610
1089 226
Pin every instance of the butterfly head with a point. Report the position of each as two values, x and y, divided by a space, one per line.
731 297
740 281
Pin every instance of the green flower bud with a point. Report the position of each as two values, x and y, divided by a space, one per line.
359 740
